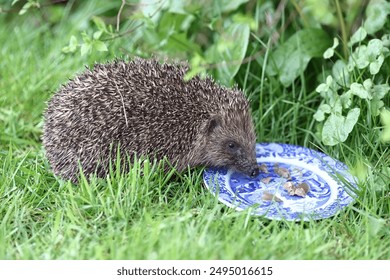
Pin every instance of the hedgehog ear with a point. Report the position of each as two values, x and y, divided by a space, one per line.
212 123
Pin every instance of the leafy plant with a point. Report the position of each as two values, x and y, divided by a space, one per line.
356 85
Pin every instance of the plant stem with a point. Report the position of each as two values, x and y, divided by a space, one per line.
343 29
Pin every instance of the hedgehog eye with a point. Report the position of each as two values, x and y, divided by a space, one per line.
232 146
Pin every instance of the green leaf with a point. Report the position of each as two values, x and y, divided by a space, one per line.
376 12
358 36
376 65
322 110
85 48
380 91
337 127
228 51
97 34
360 91
376 106
375 225
73 44
25 8
346 99
385 117
100 24
359 58
291 58
374 48
100 46
228 5
386 40
340 73
330 51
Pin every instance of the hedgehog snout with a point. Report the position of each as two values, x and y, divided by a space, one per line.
254 172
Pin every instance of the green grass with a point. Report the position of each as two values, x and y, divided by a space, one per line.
157 215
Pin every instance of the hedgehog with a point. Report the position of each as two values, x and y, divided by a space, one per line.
144 108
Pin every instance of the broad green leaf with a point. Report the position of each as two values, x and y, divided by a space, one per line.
380 91
346 99
152 9
228 5
359 57
85 48
375 225
228 51
330 135
100 24
374 48
340 73
377 11
376 65
73 44
359 90
376 106
351 120
358 36
330 51
385 117
100 46
386 40
322 110
290 59
25 8
97 34
337 127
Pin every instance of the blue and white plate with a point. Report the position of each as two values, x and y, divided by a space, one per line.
331 185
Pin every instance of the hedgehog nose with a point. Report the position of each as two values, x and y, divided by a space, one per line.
254 172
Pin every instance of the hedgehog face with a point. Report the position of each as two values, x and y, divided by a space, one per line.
232 144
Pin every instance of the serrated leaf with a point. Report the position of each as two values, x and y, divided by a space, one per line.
100 46
358 36
290 59
376 12
228 51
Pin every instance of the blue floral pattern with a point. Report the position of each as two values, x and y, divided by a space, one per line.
332 187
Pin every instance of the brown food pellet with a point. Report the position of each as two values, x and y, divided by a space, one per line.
266 180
